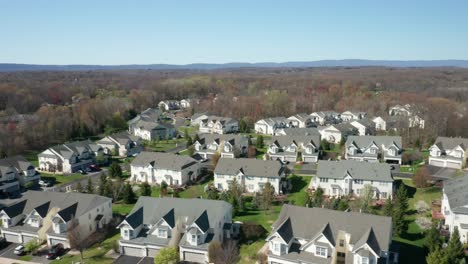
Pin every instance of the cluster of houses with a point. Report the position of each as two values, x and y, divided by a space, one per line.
192 224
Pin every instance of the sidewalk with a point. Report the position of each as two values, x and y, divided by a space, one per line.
15 261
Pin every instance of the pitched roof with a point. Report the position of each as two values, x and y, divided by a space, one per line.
370 239
365 141
249 167
163 160
356 224
222 120
282 141
203 221
149 210
271 121
15 209
357 169
233 139
69 212
456 190
43 209
300 131
448 143
122 138
169 218
286 231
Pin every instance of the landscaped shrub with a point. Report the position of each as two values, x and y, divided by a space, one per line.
252 231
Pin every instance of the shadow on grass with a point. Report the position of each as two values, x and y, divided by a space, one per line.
409 190
409 254
298 183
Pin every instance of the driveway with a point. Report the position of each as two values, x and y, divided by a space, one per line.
69 186
133 260
7 253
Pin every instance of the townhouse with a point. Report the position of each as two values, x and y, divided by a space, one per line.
228 146
295 148
351 115
374 148
268 126
455 206
218 125
121 144
349 177
336 133
71 157
326 117
187 224
47 216
408 111
149 125
449 152
168 105
296 131
252 174
364 126
301 120
318 235
196 118
380 123
158 167
16 170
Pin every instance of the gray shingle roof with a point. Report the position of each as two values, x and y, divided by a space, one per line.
448 143
154 209
17 162
456 191
282 141
163 160
365 141
296 131
250 167
306 223
235 140
357 169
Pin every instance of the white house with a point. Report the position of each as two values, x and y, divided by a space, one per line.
374 148
158 167
318 235
301 120
295 148
156 223
350 115
380 123
17 169
296 131
196 119
186 103
455 206
121 144
449 152
252 174
71 157
169 105
326 117
408 111
349 177
268 126
47 216
219 125
336 133
228 146
364 126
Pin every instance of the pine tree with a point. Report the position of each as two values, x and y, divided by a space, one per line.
260 143
388 207
145 189
128 194
78 187
89 186
400 207
115 170
454 250
432 239
108 189
437 256
102 185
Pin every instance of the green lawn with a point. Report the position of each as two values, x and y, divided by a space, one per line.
261 152
190 129
122 209
31 156
163 145
248 253
61 179
184 152
93 255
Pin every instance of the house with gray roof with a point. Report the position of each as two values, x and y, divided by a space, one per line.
228 146
374 148
324 236
449 152
252 174
326 118
71 157
18 169
348 116
269 126
410 113
158 167
455 205
336 133
121 144
295 148
187 224
149 125
168 105
350 177
296 131
218 125
364 126
46 216
302 120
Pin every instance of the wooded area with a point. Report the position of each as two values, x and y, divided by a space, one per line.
38 109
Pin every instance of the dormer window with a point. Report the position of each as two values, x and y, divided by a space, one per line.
227 148
321 251
309 149
162 233
197 146
364 260
213 147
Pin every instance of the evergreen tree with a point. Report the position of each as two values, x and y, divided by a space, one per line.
437 256
400 207
454 250
89 186
388 207
164 188
145 189
108 187
243 126
78 187
189 142
433 240
115 170
128 194
260 142
102 185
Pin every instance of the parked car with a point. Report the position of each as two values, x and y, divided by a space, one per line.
45 183
55 251
82 172
19 250
94 167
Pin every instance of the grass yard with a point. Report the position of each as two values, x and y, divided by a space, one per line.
163 145
190 129
248 253
261 152
184 152
93 255
61 179
122 209
31 156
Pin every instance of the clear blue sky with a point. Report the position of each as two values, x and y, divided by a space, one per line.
217 31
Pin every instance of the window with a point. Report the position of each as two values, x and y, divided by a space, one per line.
250 187
359 181
320 251
384 195
341 254
364 260
323 179
162 233
341 242
276 246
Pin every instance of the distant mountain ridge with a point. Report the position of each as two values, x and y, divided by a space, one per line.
10 67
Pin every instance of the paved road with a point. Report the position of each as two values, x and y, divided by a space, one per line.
69 186
10 257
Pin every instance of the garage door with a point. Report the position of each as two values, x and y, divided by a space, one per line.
194 257
152 252
290 158
436 163
453 165
310 159
12 238
26 239
132 251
